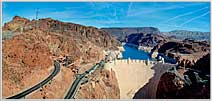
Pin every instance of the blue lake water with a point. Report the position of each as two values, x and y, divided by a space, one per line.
134 53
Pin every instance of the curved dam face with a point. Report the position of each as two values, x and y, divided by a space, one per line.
148 91
137 78
131 75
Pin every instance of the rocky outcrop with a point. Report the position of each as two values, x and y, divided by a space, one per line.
182 83
175 49
35 44
142 39
203 64
103 85
80 32
184 47
171 87
16 24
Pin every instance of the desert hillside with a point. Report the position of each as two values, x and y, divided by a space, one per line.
143 39
29 48
192 82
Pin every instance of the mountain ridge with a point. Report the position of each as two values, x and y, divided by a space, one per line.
121 32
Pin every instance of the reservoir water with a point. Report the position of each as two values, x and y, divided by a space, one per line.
134 53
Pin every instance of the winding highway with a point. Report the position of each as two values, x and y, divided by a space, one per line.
75 85
30 90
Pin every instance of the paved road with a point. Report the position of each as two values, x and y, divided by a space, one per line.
74 87
30 90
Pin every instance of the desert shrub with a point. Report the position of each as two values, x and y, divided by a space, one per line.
15 78
7 35
53 48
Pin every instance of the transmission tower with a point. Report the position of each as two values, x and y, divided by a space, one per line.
36 18
36 14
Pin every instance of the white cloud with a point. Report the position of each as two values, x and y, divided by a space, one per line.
140 11
169 27
185 14
192 19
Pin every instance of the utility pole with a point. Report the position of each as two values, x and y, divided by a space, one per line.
36 18
36 14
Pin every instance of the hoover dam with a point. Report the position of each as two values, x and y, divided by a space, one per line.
131 75
134 75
